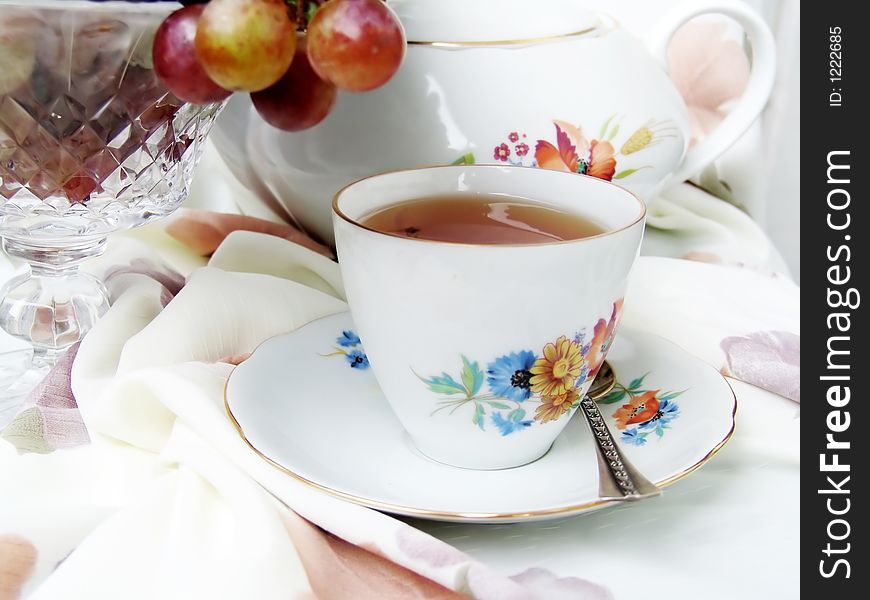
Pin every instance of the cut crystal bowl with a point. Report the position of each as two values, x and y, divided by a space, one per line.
90 143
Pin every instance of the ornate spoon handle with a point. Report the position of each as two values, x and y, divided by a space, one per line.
618 479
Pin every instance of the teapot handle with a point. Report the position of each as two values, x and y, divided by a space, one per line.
758 89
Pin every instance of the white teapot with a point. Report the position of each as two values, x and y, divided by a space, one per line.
547 83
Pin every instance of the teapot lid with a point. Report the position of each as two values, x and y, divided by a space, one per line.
464 21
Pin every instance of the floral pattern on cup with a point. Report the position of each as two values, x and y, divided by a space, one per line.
349 346
575 153
521 388
645 413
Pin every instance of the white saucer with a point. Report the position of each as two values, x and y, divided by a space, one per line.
298 403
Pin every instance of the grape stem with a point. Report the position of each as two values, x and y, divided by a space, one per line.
302 12
300 15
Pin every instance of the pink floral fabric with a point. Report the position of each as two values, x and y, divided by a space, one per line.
768 359
49 419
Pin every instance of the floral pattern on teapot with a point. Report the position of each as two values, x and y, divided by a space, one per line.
575 153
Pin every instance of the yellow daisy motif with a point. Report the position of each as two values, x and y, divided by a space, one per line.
555 373
553 407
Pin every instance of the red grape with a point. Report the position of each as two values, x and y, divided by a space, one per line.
356 44
175 58
245 45
299 100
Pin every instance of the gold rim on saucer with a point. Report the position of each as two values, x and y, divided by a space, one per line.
477 516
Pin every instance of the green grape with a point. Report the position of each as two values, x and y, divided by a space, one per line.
245 45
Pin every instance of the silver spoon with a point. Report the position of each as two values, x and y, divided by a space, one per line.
618 479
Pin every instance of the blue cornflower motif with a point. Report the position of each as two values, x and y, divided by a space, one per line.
347 339
508 376
667 412
634 437
583 376
514 422
357 359
580 340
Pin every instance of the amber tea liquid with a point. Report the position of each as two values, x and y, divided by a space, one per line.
487 219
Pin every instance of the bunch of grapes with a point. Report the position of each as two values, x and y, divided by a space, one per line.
292 56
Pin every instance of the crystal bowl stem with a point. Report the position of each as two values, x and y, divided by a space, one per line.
54 304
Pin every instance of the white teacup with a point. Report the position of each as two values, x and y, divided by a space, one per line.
483 351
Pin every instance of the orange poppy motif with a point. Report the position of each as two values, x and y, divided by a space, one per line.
602 338
640 409
601 162
575 154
